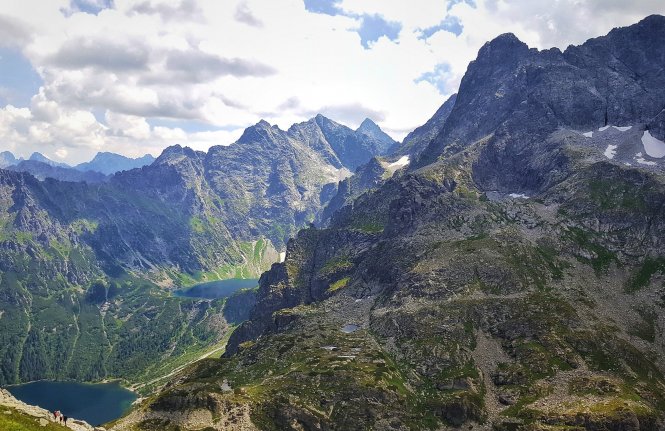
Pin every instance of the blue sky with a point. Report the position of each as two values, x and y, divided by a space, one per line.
328 7
372 26
18 81
135 76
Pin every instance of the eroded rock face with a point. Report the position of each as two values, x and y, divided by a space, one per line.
511 280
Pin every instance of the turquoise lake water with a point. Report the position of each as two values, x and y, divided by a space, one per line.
217 289
94 403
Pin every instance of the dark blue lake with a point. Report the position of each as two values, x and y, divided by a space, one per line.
217 289
94 403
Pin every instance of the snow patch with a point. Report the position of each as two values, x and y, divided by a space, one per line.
640 159
611 151
602 129
652 146
588 134
225 387
518 196
403 161
282 256
623 129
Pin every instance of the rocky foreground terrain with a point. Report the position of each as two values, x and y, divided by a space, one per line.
511 278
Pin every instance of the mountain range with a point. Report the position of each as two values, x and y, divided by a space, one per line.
97 170
509 278
502 268
92 261
110 163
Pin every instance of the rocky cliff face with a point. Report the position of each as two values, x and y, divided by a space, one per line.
512 279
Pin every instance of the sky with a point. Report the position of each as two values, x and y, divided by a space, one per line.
135 76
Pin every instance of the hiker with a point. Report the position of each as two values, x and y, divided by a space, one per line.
55 415
64 419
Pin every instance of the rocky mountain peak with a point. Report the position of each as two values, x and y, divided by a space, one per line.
262 132
372 130
325 123
263 124
7 159
654 23
39 157
174 154
502 47
368 125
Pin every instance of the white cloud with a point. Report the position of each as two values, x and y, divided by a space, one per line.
76 135
61 153
229 63
129 126
244 14
13 32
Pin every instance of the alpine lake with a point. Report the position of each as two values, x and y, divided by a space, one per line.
93 403
217 289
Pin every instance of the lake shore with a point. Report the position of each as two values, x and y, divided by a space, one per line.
42 416
94 403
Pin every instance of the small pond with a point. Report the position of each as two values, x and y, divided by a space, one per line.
347 329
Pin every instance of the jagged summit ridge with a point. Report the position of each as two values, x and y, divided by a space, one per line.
612 79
